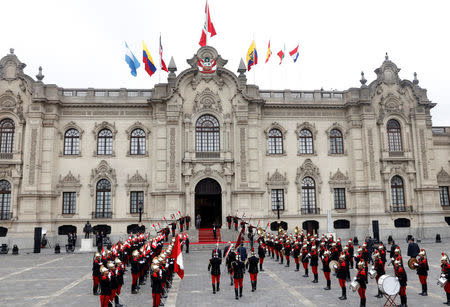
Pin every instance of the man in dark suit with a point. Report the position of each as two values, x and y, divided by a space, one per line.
413 248
392 251
242 251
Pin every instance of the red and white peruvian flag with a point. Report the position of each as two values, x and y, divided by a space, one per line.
178 256
208 27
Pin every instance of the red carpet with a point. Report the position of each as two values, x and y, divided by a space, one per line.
206 235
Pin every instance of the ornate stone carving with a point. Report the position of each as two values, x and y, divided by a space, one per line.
71 125
10 67
443 178
137 125
136 182
338 179
207 100
388 73
14 104
423 149
307 125
277 181
32 170
104 125
276 125
371 154
69 183
243 155
308 169
103 170
172 155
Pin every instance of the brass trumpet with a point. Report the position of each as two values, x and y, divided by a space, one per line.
296 230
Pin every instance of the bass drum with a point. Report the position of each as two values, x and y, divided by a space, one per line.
388 285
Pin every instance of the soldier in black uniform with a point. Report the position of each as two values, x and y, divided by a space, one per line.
231 257
229 218
105 286
96 272
156 285
214 266
262 255
287 252
235 222
252 267
238 269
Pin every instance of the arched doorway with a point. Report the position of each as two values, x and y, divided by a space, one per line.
208 202
311 226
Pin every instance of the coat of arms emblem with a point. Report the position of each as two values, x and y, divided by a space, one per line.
206 66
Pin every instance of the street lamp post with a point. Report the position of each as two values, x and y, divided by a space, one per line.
140 208
278 208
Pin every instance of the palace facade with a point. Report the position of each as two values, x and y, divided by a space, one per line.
208 143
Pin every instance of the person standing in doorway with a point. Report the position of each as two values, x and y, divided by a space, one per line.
198 220
214 229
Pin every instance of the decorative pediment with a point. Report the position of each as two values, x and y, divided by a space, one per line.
12 103
308 169
276 125
443 177
388 72
337 126
137 182
338 179
306 125
137 125
10 67
71 125
207 100
104 125
69 183
103 171
277 180
338 176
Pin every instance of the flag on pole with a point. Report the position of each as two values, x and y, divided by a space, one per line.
269 52
281 55
150 67
178 256
252 56
294 54
239 239
208 27
162 65
131 60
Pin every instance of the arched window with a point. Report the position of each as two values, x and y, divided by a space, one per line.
306 142
72 142
394 135
308 196
103 199
104 142
207 137
398 195
336 142
137 144
275 142
6 135
5 200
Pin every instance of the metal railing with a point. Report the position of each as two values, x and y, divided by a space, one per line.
101 214
7 215
404 208
207 155
310 210
6 156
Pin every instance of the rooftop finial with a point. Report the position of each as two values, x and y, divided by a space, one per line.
40 76
386 57
363 80
11 50
242 69
172 67
415 81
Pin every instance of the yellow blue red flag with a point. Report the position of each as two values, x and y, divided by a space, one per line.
252 56
269 53
150 67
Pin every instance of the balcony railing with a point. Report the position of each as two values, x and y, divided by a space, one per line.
102 215
207 154
401 208
6 156
310 211
6 215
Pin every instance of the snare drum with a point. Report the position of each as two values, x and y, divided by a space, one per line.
372 273
388 285
442 281
354 285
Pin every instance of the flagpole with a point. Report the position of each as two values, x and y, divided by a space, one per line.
160 59
254 55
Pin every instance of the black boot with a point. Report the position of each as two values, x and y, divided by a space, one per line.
236 293
133 289
288 262
94 290
297 267
448 299
425 290
306 273
231 278
344 294
379 295
116 301
281 259
240 292
362 303
253 286
260 267
218 288
214 288
328 287
316 278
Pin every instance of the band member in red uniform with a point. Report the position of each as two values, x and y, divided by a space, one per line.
262 255
238 268
96 272
378 265
361 278
214 266
120 270
231 257
382 252
445 266
326 268
114 283
296 255
188 221
348 258
342 276
229 218
314 263
351 251
422 271
156 285
134 271
287 252
235 222
105 286
305 259
252 267
398 256
181 223
174 227
402 278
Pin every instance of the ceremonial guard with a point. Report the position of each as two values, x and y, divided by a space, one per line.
296 255
314 263
361 278
120 270
156 285
378 265
351 251
287 252
341 274
231 257
188 221
422 271
334 252
261 255
96 272
348 259
445 273
174 227
326 268
214 266
252 267
114 284
235 222
305 259
229 218
397 256
134 271
105 286
238 269
382 252
181 223
402 278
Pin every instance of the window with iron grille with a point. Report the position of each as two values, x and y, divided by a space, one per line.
443 193
339 198
104 145
398 196
277 196
6 135
135 198
308 194
103 199
275 142
336 142
5 199
207 137
72 142
394 136
306 142
69 202
137 144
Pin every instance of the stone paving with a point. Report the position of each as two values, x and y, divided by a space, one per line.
49 279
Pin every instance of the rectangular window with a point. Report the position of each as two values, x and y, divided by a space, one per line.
339 198
135 198
277 196
69 201
443 193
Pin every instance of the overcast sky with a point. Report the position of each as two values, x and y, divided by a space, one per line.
81 43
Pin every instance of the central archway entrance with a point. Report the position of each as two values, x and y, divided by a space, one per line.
208 202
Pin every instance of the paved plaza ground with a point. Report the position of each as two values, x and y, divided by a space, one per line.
49 279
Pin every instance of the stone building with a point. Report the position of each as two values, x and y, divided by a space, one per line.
207 142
